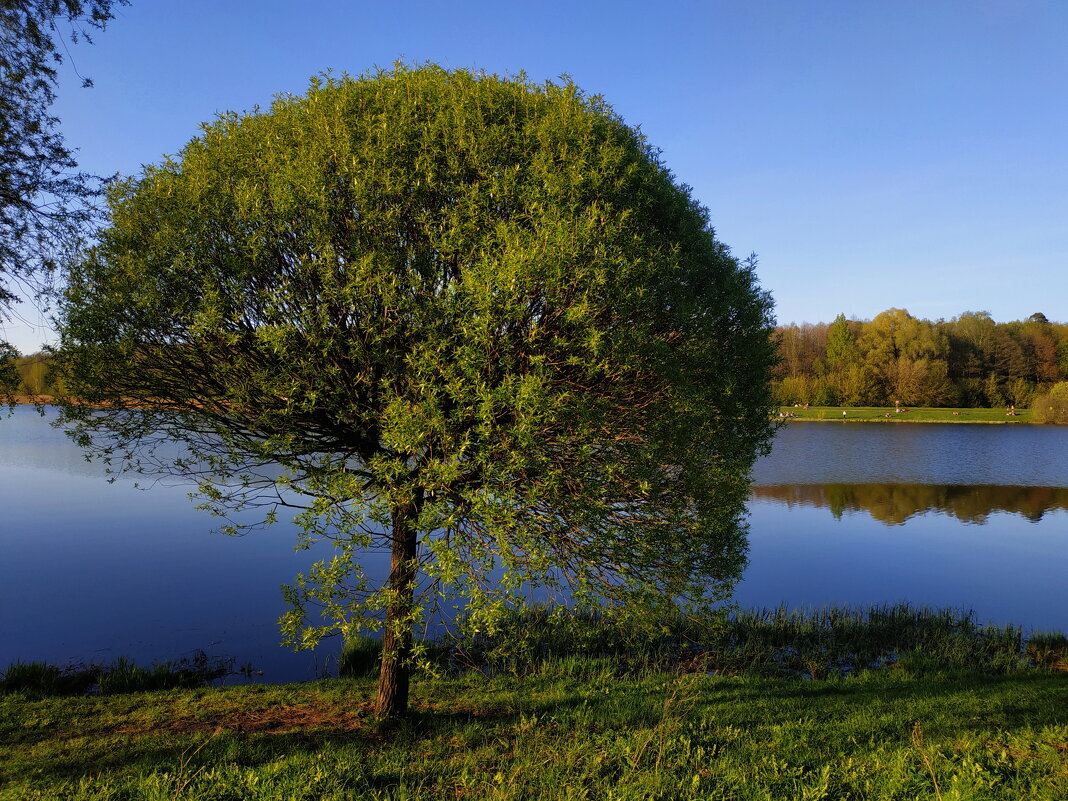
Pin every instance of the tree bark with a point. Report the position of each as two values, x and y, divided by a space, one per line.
395 674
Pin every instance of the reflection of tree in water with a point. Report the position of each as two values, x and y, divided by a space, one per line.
893 504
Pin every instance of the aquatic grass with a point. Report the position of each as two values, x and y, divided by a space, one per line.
841 640
815 643
359 657
587 644
532 637
124 676
40 678
1048 649
121 676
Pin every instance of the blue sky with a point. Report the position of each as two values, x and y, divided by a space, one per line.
873 154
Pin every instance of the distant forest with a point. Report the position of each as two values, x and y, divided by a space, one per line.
31 376
969 361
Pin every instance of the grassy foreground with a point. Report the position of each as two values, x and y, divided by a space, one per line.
883 414
577 733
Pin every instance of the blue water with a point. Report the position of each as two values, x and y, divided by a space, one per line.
1007 564
91 570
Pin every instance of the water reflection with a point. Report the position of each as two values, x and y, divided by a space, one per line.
893 504
91 570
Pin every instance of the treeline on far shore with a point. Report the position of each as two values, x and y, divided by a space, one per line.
28 375
896 359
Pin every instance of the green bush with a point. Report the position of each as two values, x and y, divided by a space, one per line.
1052 407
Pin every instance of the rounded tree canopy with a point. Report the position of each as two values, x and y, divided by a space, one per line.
479 303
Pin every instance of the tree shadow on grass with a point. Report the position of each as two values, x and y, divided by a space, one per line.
247 739
956 704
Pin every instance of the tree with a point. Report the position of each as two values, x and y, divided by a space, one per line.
470 319
971 336
801 347
42 199
9 374
849 377
841 344
908 356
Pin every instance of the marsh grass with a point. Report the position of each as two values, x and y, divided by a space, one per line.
814 644
1048 649
359 658
555 642
121 676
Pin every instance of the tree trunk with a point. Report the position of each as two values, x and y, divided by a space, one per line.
395 673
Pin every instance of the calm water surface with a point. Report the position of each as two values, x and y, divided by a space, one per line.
967 516
963 516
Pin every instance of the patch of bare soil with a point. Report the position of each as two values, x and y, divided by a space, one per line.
287 718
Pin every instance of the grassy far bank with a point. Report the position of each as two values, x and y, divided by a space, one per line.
569 711
923 414
853 414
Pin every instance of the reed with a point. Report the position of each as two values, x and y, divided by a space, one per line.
815 643
38 679
557 642
359 657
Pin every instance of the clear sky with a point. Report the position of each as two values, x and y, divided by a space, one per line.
909 154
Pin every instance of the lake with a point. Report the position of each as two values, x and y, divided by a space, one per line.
941 515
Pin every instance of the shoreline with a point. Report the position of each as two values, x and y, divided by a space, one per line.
882 414
813 414
28 400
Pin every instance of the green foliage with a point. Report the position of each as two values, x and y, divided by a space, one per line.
970 361
841 343
9 375
1052 406
472 319
26 376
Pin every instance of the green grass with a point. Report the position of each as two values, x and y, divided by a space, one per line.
584 709
886 735
882 414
